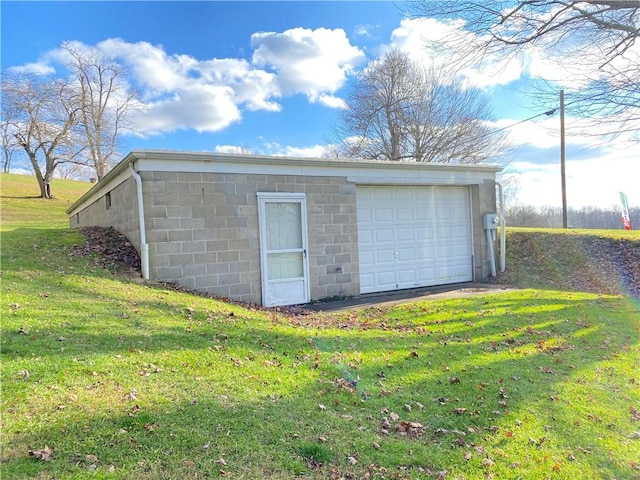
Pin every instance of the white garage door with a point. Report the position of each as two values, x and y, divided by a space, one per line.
412 237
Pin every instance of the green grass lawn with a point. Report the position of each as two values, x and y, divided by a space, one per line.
109 377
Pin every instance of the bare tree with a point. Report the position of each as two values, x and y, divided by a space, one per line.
105 100
398 110
44 115
9 144
593 41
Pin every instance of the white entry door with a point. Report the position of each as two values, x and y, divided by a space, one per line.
283 248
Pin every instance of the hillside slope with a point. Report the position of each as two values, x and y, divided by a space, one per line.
590 261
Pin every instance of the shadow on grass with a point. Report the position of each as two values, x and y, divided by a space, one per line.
206 426
166 385
254 401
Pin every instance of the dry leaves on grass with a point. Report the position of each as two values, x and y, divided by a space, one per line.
43 454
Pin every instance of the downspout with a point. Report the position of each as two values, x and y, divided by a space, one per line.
503 233
144 246
492 258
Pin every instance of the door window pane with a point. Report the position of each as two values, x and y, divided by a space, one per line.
283 225
285 265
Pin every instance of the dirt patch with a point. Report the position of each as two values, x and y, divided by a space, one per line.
110 250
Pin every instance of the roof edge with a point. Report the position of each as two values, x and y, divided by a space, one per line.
210 157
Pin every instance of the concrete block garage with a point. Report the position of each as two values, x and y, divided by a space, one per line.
285 231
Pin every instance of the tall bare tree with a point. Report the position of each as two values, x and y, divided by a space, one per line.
593 41
105 99
9 143
42 114
398 110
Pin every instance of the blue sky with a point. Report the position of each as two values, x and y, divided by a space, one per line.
270 77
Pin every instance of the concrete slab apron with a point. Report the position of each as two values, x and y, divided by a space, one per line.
459 290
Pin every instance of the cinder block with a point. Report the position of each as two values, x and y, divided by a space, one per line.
221 291
229 256
194 247
180 260
239 289
180 235
217 268
194 270
189 177
191 223
168 273
205 258
228 278
166 248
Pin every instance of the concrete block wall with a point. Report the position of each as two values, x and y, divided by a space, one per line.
202 230
122 214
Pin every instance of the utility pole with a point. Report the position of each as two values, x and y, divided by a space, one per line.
562 159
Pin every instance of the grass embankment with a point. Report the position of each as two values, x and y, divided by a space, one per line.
105 377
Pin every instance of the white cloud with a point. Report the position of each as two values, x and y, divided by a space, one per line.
413 36
314 151
315 63
36 68
200 107
595 181
182 92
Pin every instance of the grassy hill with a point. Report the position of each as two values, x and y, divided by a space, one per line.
107 377
599 261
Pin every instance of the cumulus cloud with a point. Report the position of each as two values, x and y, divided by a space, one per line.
179 91
315 63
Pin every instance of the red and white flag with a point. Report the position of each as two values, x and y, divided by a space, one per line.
626 220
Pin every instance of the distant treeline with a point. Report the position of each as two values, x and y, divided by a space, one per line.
587 217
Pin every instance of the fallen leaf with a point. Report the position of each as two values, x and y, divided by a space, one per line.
352 461
321 407
43 454
487 462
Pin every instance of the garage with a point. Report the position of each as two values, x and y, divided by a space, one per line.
287 230
413 236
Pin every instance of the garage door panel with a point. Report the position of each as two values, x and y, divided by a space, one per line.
405 234
365 215
406 255
384 235
405 214
413 236
386 279
383 215
425 254
365 237
385 256
366 257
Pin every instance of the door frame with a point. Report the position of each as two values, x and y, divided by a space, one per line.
282 197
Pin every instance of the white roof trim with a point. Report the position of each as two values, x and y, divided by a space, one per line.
357 171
